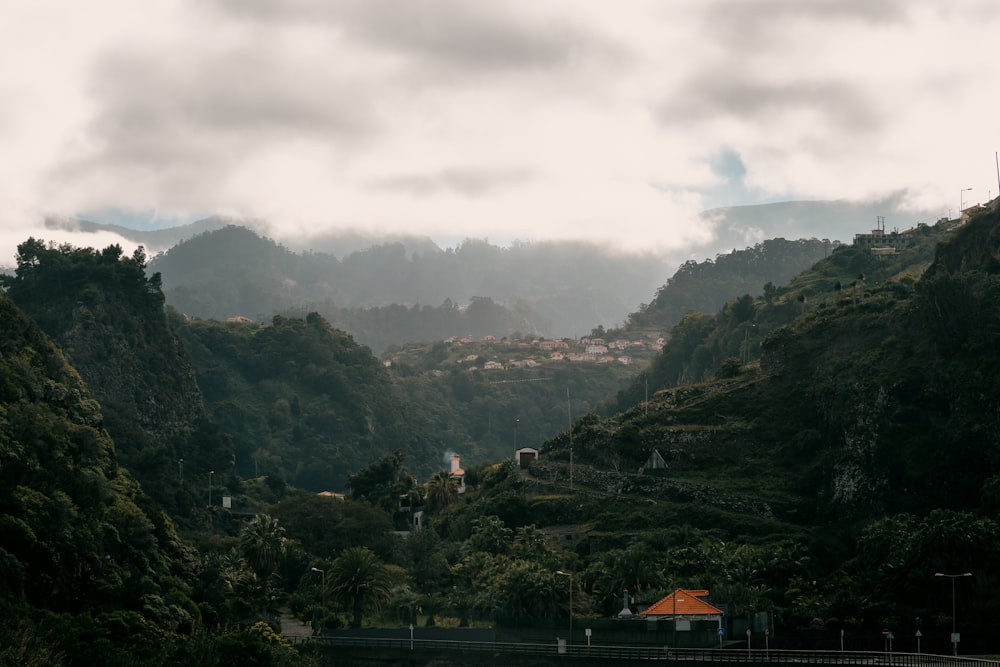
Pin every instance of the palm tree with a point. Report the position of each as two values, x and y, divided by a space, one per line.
225 580
262 544
361 580
441 489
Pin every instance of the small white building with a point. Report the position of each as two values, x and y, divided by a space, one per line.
524 456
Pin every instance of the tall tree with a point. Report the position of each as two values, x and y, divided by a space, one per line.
263 545
441 489
361 580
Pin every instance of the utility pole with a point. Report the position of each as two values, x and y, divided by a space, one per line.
961 201
569 416
645 405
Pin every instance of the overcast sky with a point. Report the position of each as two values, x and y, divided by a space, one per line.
526 120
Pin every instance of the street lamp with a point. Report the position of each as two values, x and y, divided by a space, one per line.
961 204
210 473
746 342
953 577
570 575
569 416
322 597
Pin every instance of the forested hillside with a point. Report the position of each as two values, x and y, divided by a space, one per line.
706 286
830 446
84 552
295 400
109 319
703 340
869 421
302 402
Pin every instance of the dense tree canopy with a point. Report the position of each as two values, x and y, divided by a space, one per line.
77 534
838 449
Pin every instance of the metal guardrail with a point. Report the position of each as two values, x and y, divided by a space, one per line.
646 652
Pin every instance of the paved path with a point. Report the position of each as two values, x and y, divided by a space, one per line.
294 629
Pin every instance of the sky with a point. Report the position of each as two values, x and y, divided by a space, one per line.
616 122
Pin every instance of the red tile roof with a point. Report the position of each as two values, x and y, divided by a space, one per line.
687 604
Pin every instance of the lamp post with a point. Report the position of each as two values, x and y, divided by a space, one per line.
953 577
746 342
210 473
570 575
322 586
318 618
569 416
961 201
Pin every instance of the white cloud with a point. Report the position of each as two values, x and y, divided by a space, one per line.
516 120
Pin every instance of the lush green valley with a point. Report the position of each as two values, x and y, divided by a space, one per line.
831 445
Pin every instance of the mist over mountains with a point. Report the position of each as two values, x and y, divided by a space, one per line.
727 228
338 243
741 226
388 290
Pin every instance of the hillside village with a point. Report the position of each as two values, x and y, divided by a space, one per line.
492 354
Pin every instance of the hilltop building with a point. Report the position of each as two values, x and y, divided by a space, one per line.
880 242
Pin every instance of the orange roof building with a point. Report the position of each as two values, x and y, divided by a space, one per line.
683 603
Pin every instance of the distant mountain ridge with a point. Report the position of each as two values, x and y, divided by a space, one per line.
397 289
338 243
560 289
